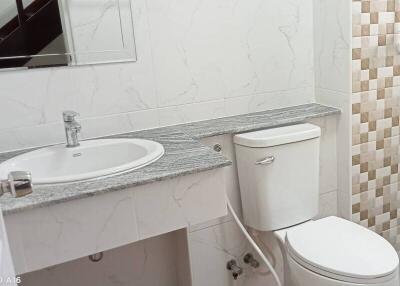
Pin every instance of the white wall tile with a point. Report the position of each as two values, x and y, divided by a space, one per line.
332 43
328 205
269 100
59 233
333 66
213 247
328 154
183 202
343 135
216 49
196 60
191 112
119 123
148 262
230 179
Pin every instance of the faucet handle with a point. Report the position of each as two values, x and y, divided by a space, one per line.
69 115
18 183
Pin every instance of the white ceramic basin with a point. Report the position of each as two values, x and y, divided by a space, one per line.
92 159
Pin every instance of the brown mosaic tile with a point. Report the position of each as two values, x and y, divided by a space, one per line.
364 64
376 113
356 54
382 40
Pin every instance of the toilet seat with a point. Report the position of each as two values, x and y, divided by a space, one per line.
342 250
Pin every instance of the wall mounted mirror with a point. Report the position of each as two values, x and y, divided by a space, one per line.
43 33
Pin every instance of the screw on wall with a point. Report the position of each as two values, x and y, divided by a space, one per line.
234 268
217 147
96 257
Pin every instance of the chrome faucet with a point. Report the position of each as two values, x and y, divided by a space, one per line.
72 128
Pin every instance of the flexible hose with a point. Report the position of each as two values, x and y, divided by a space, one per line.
263 246
255 246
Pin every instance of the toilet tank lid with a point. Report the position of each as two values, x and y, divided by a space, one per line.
278 136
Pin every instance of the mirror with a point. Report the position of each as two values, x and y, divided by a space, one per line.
43 33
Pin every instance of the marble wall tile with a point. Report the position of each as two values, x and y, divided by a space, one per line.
343 135
34 136
269 100
196 60
183 258
181 203
53 133
22 104
222 49
191 112
213 247
328 169
94 91
230 173
60 233
148 262
230 179
56 234
328 205
119 123
332 42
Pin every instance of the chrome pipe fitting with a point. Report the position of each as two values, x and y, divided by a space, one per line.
234 268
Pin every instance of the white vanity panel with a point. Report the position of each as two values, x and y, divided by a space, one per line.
154 261
62 232
180 203
48 236
7 271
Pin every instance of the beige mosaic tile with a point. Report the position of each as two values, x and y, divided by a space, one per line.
375 117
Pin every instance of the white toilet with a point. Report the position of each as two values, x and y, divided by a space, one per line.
279 184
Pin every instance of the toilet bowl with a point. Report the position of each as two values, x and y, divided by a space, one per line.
278 173
333 251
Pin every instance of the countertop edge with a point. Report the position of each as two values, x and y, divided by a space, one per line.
187 128
126 187
212 127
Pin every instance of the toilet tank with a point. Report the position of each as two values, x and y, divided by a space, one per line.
278 172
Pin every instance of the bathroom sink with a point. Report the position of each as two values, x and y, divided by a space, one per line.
91 159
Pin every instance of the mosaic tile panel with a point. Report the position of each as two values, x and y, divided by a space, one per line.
375 116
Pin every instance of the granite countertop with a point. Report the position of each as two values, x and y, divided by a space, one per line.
257 120
184 155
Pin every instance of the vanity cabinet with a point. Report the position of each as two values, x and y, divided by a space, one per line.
62 232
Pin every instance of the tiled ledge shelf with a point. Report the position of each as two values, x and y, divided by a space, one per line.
184 155
258 120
